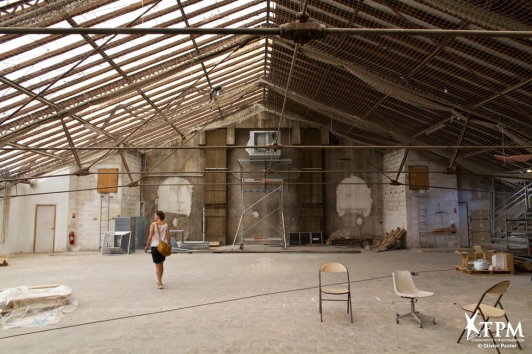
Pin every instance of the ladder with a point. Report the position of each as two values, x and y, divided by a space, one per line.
105 206
422 239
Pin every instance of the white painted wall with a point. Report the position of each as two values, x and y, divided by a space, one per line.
175 196
84 204
353 196
22 211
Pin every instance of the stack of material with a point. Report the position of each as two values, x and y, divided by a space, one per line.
35 306
390 241
4 260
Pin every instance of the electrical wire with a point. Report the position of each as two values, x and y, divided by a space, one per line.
208 304
239 183
172 173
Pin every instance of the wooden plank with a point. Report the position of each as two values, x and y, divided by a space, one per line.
418 177
215 188
471 271
107 180
4 260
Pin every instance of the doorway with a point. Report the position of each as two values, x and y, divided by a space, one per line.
463 222
44 229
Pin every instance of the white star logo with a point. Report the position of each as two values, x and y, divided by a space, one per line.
471 325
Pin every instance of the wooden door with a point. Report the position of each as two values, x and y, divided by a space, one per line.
44 229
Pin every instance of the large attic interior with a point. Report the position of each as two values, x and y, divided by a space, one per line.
273 133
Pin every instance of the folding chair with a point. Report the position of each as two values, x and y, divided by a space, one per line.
404 286
333 267
487 311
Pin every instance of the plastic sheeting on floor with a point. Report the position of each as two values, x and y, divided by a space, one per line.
35 306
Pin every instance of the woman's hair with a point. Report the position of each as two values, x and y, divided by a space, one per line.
160 214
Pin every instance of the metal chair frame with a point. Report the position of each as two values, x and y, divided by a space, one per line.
499 288
334 267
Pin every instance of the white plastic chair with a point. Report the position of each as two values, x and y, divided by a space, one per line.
404 287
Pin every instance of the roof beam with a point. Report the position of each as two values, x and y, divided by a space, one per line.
126 166
111 115
71 144
40 152
451 169
78 107
120 71
45 101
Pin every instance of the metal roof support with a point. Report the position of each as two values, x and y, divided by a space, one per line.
53 105
126 166
71 143
301 28
395 182
120 71
111 115
451 170
40 152
72 68
233 46
194 42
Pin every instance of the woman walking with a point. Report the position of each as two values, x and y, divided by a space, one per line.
158 231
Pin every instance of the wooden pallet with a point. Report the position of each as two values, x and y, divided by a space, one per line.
484 272
389 241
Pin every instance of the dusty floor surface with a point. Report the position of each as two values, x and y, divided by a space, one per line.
253 303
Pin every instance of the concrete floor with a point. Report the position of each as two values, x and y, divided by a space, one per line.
252 303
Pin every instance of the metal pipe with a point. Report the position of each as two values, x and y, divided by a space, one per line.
333 147
268 31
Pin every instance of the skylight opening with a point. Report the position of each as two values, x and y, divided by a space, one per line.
120 20
51 62
77 90
152 57
21 41
215 12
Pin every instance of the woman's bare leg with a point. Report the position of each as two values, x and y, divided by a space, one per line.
159 273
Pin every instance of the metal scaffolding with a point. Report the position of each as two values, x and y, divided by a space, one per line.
270 202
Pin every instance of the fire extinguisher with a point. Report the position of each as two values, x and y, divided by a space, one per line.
71 237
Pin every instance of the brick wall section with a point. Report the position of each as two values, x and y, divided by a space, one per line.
394 197
86 204
440 204
401 204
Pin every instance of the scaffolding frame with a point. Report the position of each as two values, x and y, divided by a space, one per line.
261 220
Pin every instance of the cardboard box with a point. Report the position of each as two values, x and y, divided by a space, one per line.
488 256
468 258
503 261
